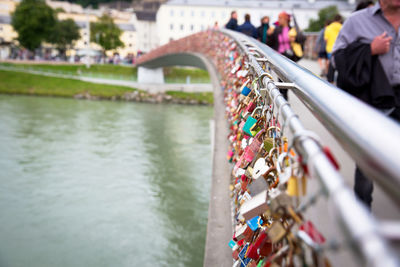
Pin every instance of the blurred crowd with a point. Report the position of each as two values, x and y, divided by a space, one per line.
281 36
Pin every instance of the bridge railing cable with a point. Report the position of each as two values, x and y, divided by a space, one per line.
356 127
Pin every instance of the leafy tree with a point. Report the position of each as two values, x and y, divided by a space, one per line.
105 33
324 14
63 34
33 20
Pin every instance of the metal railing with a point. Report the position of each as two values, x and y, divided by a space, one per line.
354 124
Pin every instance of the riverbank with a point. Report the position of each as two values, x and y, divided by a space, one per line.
12 82
109 71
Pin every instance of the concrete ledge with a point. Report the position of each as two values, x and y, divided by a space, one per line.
219 226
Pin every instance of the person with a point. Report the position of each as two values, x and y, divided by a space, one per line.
330 35
262 31
367 58
248 28
320 48
232 23
364 4
282 38
215 27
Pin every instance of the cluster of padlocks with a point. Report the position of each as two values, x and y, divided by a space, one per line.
268 177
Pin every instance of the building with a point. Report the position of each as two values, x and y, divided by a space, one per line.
147 31
81 17
179 18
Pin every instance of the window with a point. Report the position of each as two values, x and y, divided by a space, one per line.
213 14
171 13
171 26
202 27
203 13
130 35
192 27
182 13
182 27
130 45
223 15
192 13
85 43
85 33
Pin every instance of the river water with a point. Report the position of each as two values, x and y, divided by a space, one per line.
96 183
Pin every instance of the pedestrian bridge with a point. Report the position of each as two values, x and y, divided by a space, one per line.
325 126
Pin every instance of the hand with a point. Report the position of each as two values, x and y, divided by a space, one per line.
381 44
270 30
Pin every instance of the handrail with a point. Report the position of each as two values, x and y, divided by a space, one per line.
365 133
359 225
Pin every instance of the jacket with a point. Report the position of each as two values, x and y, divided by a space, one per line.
232 24
261 31
362 75
248 29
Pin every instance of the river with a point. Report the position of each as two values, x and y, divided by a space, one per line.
97 183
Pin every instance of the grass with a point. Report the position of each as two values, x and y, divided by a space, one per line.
206 97
172 74
31 84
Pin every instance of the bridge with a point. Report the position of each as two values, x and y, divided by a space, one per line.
318 115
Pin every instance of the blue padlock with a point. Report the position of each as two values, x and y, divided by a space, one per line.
246 91
255 223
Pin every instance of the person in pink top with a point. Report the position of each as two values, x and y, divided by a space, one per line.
279 38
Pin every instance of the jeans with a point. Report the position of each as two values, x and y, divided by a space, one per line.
363 187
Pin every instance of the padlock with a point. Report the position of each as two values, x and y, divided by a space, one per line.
242 255
255 223
242 232
257 186
260 168
253 251
309 228
255 206
293 187
250 122
276 232
244 89
277 199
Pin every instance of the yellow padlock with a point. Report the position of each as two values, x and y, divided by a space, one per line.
293 187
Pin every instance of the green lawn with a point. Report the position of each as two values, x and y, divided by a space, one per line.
25 83
172 74
31 84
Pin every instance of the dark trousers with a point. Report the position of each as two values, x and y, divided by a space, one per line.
363 187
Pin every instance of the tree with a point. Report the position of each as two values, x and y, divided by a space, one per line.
33 20
63 34
324 14
106 33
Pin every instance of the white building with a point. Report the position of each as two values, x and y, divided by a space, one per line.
179 18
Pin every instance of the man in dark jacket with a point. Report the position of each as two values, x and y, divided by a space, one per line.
262 31
248 28
366 55
232 23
